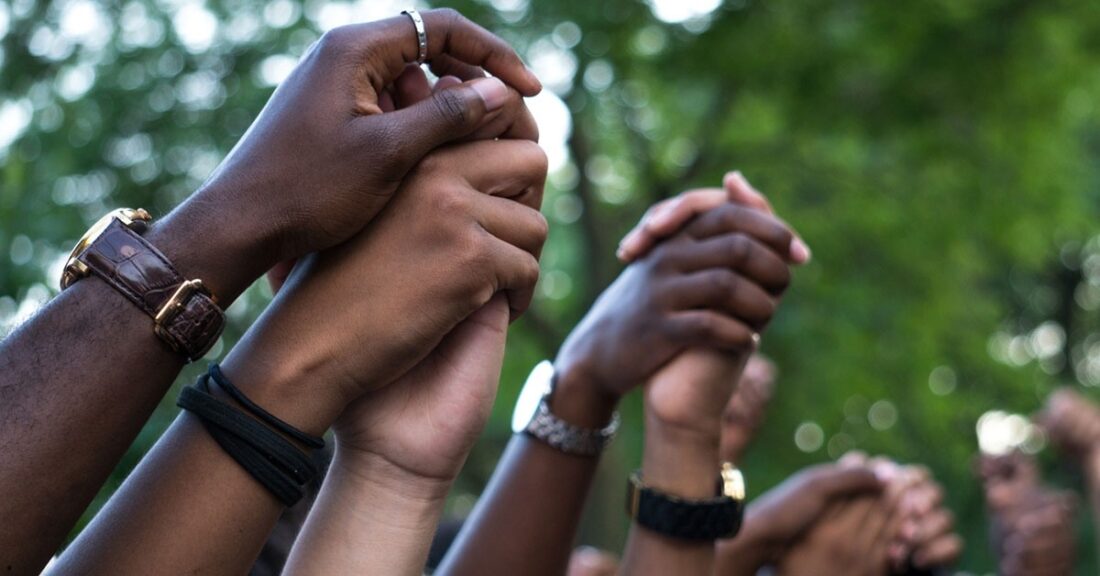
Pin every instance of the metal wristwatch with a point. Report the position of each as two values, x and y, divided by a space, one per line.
533 417
690 519
185 314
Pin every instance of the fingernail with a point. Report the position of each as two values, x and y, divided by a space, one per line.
492 91
800 252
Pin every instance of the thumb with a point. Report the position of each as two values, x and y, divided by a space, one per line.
445 116
837 482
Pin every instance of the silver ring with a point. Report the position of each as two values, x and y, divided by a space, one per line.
421 34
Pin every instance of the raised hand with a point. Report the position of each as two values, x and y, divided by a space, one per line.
322 159
715 285
1073 423
928 538
851 539
1037 536
464 227
777 520
1032 526
424 424
665 218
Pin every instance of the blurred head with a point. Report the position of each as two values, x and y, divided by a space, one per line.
747 407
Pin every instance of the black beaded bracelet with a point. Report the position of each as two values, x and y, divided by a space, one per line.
264 453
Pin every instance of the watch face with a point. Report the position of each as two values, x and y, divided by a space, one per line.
537 385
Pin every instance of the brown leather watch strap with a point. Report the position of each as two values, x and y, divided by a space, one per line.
185 314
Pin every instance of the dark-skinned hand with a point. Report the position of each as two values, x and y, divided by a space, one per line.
715 284
322 158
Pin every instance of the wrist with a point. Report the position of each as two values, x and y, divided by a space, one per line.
680 464
219 246
378 474
294 392
578 399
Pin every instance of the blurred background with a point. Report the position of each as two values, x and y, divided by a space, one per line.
940 158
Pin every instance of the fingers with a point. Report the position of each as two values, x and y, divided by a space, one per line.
446 82
514 169
392 43
740 191
944 551
411 87
729 218
666 218
512 222
738 252
445 65
407 135
516 272
706 328
514 121
837 482
724 291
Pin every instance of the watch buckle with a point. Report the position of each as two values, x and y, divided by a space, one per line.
634 494
74 270
733 482
175 304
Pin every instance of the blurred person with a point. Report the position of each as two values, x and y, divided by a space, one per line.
1073 424
714 285
1032 527
316 167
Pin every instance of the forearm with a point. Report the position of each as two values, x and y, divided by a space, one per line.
370 518
77 382
189 507
684 468
527 518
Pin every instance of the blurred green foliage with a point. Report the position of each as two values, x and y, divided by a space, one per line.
938 157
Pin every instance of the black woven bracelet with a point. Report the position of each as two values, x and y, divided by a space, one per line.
215 373
266 455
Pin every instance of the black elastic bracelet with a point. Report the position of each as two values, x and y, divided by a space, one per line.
265 454
215 372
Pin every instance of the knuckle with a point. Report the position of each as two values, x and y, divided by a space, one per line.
703 325
783 280
722 283
448 16
540 227
453 200
334 43
476 251
535 158
531 272
740 247
730 217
